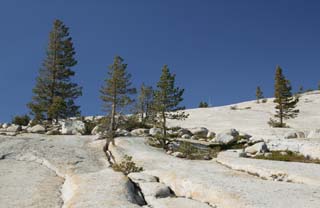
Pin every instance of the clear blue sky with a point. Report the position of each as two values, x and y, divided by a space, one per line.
220 49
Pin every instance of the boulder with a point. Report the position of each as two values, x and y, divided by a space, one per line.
211 135
178 154
37 129
183 132
97 130
5 125
14 128
314 134
155 131
157 190
194 137
244 135
73 127
260 147
199 131
227 137
186 136
140 132
140 177
255 139
123 132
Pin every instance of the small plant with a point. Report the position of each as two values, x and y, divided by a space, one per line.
132 122
265 100
89 126
21 120
287 156
276 124
234 107
203 105
126 166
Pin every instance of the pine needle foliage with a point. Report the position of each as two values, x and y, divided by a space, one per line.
285 101
54 92
167 99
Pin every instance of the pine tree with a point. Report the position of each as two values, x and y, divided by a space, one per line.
144 103
54 90
319 85
286 103
203 105
116 92
167 99
259 94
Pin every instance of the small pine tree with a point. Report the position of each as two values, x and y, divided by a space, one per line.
116 92
319 85
144 103
203 105
286 103
259 94
301 90
54 80
167 99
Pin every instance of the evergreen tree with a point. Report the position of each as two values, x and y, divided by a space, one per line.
259 94
301 90
286 103
203 105
167 99
319 85
144 102
54 89
116 92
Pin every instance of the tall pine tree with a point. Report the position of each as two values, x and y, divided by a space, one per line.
116 92
55 93
285 101
167 99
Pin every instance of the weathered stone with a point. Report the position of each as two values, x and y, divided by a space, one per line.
211 135
155 189
73 127
200 131
260 147
37 129
178 154
227 137
186 136
155 131
314 134
140 132
140 177
184 132
14 128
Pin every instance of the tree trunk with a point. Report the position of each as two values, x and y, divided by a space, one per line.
164 128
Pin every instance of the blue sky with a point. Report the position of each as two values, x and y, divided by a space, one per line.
219 49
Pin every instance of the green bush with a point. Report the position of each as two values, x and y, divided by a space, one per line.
89 125
264 100
21 120
132 122
126 166
276 124
288 157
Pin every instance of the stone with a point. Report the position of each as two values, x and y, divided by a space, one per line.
283 153
184 132
227 137
140 177
244 135
211 135
73 127
255 139
186 136
157 190
37 129
294 135
177 203
260 147
155 131
14 128
178 154
268 154
194 137
140 132
5 125
314 134
97 130
53 132
199 131
122 132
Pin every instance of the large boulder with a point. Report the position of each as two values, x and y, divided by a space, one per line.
157 190
140 132
122 132
73 127
211 135
37 129
199 132
14 128
314 134
260 147
155 131
227 137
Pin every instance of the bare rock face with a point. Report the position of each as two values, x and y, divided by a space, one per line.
227 137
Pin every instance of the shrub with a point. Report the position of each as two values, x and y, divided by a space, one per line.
126 166
276 124
89 125
288 157
234 107
132 122
21 120
264 100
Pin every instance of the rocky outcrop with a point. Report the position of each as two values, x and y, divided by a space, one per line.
227 136
37 129
73 127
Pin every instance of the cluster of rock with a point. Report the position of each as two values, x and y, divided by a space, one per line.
66 127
